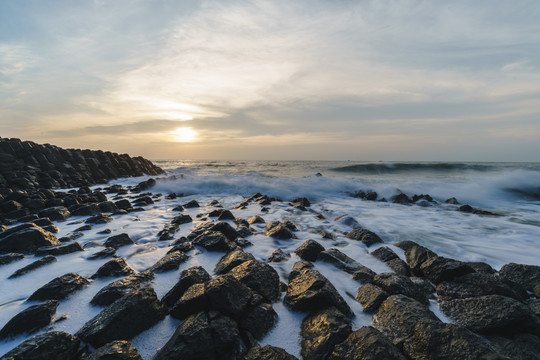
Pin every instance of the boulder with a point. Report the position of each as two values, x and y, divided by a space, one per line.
60 287
365 236
309 250
390 258
228 295
474 285
171 261
298 268
527 276
98 219
115 267
364 275
30 320
322 330
191 204
214 241
50 345
55 213
268 352
122 287
279 255
256 219
117 350
189 277
340 260
395 284
86 210
520 346
371 297
61 249
26 239
123 204
416 255
439 269
279 231
231 260
35 265
102 254
10 257
192 301
117 241
302 201
124 319
260 277
258 319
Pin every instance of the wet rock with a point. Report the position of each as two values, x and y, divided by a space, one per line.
417 255
105 253
243 231
268 352
50 345
191 204
406 245
214 241
124 319
10 257
226 215
309 250
84 228
452 201
192 301
399 266
279 255
231 260
114 267
384 254
310 291
86 210
364 275
117 241
279 231
371 297
325 234
99 219
123 204
258 320
302 201
395 284
365 236
492 314
171 261
189 277
227 294
527 276
117 350
298 268
108 207
366 343
36 264
256 219
30 320
60 287
481 267
56 213
439 269
340 260
225 229
321 331
260 277
59 249
25 239
347 220
474 285
521 346
401 199
122 287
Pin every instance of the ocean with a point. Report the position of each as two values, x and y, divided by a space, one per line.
509 190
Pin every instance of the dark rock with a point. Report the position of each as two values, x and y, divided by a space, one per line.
417 255
108 207
364 275
99 219
102 254
321 331
481 267
399 266
300 201
84 228
226 215
384 254
439 269
117 241
340 260
258 320
26 239
395 284
10 257
191 204
366 343
406 245
309 250
260 277
228 295
182 219
268 352
280 231
325 234
114 267
124 319
527 276
521 346
36 264
365 236
214 241
30 320
401 199
231 260
59 249
50 345
474 285
225 229
57 213
86 210
371 297
192 301
279 255
298 268
123 204
117 350
256 219
189 277
105 232
122 287
244 231
60 287
171 261
452 201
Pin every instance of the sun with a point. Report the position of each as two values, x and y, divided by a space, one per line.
185 134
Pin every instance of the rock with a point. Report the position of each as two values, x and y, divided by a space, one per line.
60 287
25 239
86 210
214 241
228 295
310 291
260 277
481 267
340 260
401 199
268 352
366 343
521 346
56 213
399 266
347 220
36 264
406 245
204 336
258 320
108 207
50 345
117 241
364 275
371 297
302 201
474 285
452 201
192 301
417 255
384 254
99 219
191 204
105 253
122 287
365 236
325 234
84 228
439 269
395 284
279 231
114 267
231 260
527 276
492 314
10 257
189 277
225 229
171 261
59 249
30 320
124 319
279 255
256 219
321 331
298 268
309 250
226 215
117 350
123 204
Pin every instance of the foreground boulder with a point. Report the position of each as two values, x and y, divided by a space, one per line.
122 287
260 277
25 239
527 276
117 350
124 319
60 287
30 320
51 345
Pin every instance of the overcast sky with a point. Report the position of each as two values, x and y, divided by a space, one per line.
358 80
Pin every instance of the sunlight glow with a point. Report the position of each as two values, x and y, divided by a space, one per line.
184 134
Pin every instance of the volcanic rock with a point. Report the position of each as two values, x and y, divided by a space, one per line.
189 277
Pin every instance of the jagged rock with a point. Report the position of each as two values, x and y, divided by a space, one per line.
401 199
122 287
99 219
105 253
10 257
258 320
406 245
371 297
25 239
124 319
474 285
310 291
57 213
390 258
117 350
228 295
60 287
441 269
191 204
214 241
416 256
260 277
279 231
452 201
492 314
364 275
384 254
84 228
395 284
50 345
300 201
481 267
340 260
117 241
309 250
365 236
36 264
225 229
108 207
256 219
114 267
231 260
86 210
278 255
527 276
521 346
171 261
204 336
366 343
298 268
189 277
192 301
268 352
61 249
321 331
30 320
347 220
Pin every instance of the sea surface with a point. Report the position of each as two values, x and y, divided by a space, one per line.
510 190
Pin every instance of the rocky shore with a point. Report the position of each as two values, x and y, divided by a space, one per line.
226 311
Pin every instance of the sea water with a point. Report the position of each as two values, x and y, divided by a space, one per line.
511 190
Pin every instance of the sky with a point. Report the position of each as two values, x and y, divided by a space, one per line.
278 80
